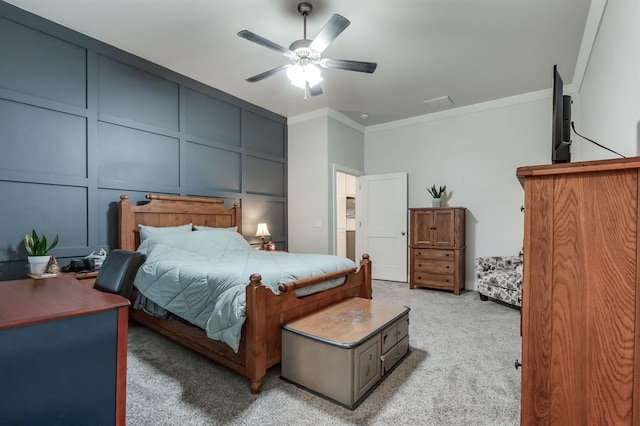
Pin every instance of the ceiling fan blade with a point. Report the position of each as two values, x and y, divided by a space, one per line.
246 34
341 64
328 33
266 74
315 90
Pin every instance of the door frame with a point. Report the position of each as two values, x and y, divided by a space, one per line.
333 228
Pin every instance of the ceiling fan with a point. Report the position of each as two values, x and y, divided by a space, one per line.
306 55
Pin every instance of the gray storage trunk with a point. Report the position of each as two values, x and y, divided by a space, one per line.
341 352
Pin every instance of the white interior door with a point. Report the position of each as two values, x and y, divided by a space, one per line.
381 218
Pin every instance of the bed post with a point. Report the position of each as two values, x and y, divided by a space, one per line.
126 238
237 217
256 333
365 266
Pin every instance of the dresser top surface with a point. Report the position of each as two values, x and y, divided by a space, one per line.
31 301
579 167
437 208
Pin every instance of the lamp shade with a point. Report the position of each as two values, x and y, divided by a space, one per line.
262 231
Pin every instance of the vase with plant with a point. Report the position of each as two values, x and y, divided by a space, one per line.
37 248
436 193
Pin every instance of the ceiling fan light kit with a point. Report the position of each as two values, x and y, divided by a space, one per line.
301 75
305 55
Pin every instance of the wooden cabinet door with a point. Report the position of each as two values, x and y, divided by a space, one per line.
443 229
437 228
421 227
580 298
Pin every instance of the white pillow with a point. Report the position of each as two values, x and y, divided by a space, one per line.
222 236
148 231
207 228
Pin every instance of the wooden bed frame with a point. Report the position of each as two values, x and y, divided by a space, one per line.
260 344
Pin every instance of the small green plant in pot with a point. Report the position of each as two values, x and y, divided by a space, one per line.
436 193
37 248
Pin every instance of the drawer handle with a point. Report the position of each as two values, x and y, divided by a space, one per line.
433 228
447 267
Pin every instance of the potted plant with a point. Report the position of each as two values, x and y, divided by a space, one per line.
37 250
436 193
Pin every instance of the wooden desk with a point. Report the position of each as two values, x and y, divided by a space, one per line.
63 353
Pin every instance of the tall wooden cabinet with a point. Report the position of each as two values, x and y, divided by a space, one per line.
581 298
437 248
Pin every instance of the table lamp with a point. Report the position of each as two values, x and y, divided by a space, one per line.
262 232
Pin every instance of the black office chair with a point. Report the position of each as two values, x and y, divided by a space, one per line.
118 272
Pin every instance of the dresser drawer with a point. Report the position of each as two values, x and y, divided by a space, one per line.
393 356
433 280
433 266
433 254
395 333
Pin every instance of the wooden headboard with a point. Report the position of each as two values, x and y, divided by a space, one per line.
172 210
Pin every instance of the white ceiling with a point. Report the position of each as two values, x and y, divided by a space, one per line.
470 50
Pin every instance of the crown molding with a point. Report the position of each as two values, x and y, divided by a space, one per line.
596 12
326 112
307 116
455 112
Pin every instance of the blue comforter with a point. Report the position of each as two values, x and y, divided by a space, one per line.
201 276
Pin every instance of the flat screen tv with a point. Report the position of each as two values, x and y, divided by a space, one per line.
561 124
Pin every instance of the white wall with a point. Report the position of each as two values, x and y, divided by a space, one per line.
317 142
476 155
609 99
308 186
346 145
346 154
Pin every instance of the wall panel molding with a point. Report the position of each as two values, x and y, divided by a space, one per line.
82 122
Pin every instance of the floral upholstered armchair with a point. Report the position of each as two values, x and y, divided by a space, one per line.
500 278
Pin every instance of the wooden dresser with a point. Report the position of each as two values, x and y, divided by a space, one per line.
63 353
581 296
437 248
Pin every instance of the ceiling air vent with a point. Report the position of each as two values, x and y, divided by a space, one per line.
438 104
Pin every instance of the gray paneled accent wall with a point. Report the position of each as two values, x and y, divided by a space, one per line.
82 123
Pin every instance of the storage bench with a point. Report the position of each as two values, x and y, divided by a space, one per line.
342 351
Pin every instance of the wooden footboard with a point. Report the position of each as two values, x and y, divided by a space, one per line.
266 312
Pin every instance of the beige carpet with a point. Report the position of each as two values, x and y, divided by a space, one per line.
460 372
